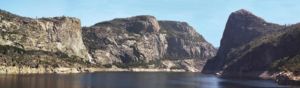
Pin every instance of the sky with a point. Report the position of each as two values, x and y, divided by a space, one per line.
208 17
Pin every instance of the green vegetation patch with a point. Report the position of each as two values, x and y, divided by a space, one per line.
287 64
14 56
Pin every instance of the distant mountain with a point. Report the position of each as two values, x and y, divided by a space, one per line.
252 47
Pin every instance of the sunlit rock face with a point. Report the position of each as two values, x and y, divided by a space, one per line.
134 42
185 42
142 41
58 34
41 42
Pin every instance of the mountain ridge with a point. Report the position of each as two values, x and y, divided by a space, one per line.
60 44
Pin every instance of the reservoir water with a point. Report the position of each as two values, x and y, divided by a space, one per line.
129 80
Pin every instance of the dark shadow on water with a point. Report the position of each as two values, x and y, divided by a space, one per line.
129 80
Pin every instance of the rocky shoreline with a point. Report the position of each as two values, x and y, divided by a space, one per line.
281 78
67 70
287 78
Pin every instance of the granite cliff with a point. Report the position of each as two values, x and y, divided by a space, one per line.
60 44
252 47
242 27
142 41
40 43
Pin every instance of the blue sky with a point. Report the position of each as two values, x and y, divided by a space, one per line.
208 17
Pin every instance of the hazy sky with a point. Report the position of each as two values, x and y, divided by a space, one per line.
208 17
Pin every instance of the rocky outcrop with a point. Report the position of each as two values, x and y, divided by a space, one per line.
142 41
58 34
184 42
287 78
44 42
261 52
185 46
241 28
125 40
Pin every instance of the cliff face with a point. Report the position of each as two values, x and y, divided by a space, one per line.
184 42
254 48
241 28
142 41
125 41
250 46
272 53
135 42
26 41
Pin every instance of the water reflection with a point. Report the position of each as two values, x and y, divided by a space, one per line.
132 80
128 80
40 81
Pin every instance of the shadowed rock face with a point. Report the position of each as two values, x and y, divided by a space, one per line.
266 56
265 50
141 41
241 28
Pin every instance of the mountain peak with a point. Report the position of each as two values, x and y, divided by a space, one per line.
241 28
243 11
137 24
245 16
143 17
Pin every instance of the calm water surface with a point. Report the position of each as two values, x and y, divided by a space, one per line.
128 80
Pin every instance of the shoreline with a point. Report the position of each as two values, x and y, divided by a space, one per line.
68 70
280 78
